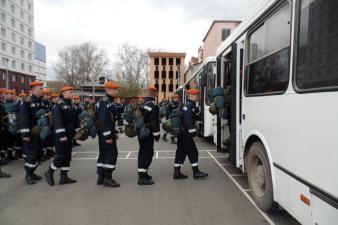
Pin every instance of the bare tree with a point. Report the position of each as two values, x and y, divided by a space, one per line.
81 63
131 68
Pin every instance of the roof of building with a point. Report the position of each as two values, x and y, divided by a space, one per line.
167 54
219 21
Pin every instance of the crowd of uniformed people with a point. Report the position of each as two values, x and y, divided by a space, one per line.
42 125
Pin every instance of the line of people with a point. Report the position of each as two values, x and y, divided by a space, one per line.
63 113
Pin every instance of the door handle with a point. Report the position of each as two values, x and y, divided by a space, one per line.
243 116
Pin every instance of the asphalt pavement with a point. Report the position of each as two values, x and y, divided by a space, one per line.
222 198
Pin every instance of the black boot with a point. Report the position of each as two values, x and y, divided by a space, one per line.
10 156
164 137
64 179
29 178
100 180
49 176
178 174
143 179
197 173
4 175
108 181
36 177
3 160
148 176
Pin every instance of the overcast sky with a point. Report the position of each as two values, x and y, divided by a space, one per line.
171 25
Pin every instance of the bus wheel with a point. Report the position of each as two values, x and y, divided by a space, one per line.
259 178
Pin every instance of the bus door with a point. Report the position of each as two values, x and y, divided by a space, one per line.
209 119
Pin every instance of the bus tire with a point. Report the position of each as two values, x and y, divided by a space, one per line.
259 178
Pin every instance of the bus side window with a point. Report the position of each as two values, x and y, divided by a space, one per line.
211 75
269 55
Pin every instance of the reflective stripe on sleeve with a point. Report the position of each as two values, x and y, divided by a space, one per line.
65 168
185 108
194 164
107 133
60 130
148 108
53 167
31 165
24 130
156 133
192 130
142 170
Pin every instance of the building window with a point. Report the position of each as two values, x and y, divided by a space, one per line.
13 77
164 61
29 7
4 61
22 28
30 56
3 3
156 74
269 59
13 22
3 32
176 74
178 61
30 80
157 86
13 50
22 66
13 9
21 2
3 46
157 61
171 75
30 68
317 46
3 17
22 79
29 44
225 33
29 32
164 87
22 40
22 15
171 88
171 61
30 20
164 74
22 53
13 36
14 64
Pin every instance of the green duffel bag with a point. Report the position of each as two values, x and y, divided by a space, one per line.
81 134
167 126
36 131
213 109
130 131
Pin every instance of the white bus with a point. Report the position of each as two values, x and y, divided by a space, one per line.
282 66
203 77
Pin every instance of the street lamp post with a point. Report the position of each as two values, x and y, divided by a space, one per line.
7 78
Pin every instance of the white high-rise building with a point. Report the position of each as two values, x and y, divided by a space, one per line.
17 46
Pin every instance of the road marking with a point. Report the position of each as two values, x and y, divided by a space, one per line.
247 190
226 164
129 153
74 153
160 157
156 154
242 190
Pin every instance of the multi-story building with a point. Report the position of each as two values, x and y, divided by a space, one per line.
17 47
40 62
217 33
166 72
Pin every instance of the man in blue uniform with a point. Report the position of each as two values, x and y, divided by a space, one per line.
150 112
186 145
79 109
120 110
106 116
65 120
28 125
2 136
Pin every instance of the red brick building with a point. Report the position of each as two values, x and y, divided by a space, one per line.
17 81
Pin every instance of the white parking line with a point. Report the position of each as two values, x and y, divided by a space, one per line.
91 152
242 190
129 153
156 154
